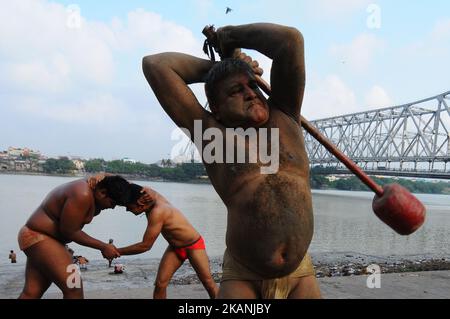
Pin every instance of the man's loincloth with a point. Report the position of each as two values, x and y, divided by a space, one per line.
182 251
28 237
278 288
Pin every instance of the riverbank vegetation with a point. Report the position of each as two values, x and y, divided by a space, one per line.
195 172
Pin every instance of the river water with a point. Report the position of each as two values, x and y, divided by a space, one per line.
344 221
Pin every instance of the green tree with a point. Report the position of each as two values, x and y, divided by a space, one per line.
59 166
95 165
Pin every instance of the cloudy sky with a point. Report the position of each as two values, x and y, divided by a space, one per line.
71 81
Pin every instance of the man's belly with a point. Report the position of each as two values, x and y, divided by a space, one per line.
270 224
42 223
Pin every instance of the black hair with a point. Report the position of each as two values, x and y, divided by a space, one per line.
221 71
135 193
117 188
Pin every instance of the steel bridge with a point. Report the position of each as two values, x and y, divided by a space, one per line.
407 140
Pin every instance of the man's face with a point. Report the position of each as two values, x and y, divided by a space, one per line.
103 201
135 209
240 103
138 209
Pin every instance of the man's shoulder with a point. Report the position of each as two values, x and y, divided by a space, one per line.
79 189
160 210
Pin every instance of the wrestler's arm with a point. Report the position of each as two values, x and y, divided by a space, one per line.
76 207
169 75
155 222
284 45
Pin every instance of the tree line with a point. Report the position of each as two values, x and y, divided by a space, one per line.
172 172
188 172
352 183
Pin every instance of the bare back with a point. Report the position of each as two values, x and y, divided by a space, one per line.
46 218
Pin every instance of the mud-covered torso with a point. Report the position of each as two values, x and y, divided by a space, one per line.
46 218
270 222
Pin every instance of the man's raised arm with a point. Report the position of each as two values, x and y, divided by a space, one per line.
284 45
169 75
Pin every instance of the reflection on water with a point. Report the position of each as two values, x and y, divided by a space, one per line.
344 221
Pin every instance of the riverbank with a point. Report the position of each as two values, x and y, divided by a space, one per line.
416 285
350 182
126 176
341 275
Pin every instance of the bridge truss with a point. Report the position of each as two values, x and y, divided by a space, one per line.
411 139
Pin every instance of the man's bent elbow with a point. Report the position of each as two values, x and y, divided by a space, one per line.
148 62
294 37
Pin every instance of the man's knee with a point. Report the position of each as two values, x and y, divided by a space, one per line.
161 284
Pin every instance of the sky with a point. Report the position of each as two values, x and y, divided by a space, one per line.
71 82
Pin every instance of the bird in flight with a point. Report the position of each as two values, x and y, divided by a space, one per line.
228 10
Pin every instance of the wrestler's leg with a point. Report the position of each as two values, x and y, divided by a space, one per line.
239 289
52 259
305 288
167 267
35 283
200 262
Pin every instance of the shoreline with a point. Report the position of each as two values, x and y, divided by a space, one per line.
347 264
198 181
418 285
344 267
126 176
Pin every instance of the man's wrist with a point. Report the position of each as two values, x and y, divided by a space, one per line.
227 40
103 246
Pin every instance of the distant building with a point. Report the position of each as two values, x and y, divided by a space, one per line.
79 164
15 152
129 160
22 166
5 165
332 178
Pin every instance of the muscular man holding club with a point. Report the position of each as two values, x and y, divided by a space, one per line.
270 217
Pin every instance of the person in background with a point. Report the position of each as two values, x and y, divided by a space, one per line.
110 260
12 256
82 262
